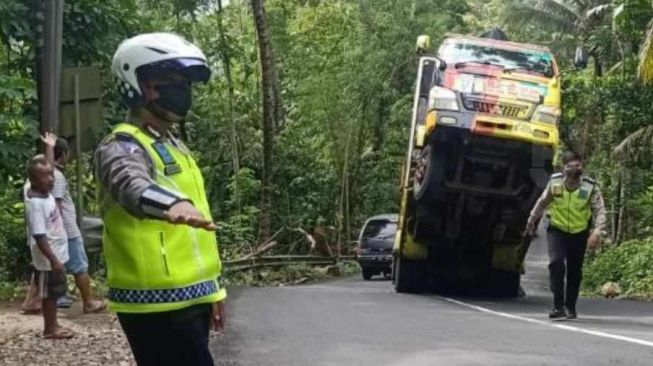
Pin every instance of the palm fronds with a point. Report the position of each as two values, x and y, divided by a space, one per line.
638 142
645 67
523 15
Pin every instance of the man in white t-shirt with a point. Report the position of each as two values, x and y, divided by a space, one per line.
48 243
57 150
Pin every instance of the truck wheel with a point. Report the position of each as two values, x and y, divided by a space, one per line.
428 176
410 276
504 283
367 274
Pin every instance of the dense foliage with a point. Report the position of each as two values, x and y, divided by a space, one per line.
344 72
630 265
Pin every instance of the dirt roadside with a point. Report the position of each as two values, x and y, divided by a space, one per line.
98 339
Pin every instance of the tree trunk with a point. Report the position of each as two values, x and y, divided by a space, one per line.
598 68
345 211
379 125
269 75
617 209
279 112
621 225
584 136
357 180
226 60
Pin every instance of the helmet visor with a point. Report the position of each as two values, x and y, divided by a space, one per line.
194 69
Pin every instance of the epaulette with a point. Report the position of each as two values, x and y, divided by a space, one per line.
119 136
116 137
127 142
589 180
557 175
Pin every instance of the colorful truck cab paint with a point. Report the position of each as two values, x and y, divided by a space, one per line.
496 88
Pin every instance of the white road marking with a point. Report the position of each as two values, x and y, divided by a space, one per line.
550 324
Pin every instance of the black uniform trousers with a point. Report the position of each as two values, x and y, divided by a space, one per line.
566 254
174 338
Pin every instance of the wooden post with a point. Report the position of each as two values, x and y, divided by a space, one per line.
78 154
50 66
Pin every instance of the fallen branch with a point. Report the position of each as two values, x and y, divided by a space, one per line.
271 243
264 248
308 236
267 245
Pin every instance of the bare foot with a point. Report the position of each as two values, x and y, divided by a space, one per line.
31 312
94 307
59 333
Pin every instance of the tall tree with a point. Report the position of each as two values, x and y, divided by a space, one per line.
226 60
271 112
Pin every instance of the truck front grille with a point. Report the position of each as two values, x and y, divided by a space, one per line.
497 108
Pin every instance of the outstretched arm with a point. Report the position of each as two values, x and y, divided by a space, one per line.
125 172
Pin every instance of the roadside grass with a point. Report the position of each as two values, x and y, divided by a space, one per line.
11 291
630 265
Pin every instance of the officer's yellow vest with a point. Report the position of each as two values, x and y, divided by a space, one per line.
570 211
152 265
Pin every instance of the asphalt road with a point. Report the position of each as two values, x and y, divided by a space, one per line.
356 322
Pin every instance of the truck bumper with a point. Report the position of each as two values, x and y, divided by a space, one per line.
502 127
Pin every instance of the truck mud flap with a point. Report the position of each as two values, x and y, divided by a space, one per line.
509 257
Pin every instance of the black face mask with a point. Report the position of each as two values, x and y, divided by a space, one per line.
573 173
175 98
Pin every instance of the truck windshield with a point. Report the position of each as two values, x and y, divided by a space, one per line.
536 62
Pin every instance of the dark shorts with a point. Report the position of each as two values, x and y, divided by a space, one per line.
51 285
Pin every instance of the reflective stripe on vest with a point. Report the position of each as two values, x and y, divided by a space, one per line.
570 211
153 265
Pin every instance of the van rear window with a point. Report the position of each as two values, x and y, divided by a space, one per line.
380 229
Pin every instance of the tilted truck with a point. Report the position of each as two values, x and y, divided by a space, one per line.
483 136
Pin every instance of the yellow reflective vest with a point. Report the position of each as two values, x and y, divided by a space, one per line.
152 265
570 212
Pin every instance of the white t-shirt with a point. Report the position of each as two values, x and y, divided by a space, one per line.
43 219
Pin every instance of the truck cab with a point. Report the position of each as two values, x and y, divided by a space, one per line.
484 133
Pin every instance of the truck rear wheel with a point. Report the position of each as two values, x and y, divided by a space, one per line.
504 283
428 176
367 274
410 276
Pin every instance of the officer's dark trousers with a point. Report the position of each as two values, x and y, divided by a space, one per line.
566 254
176 338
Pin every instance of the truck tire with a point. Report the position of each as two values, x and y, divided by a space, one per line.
409 276
367 274
504 283
427 183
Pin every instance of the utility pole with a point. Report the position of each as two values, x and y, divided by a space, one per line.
49 19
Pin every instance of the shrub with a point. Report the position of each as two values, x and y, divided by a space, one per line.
629 264
14 254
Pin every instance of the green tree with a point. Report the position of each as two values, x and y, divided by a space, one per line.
568 22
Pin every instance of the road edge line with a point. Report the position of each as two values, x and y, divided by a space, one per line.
549 324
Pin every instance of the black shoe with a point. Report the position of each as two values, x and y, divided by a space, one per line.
571 313
557 314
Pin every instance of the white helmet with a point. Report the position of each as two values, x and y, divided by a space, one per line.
158 53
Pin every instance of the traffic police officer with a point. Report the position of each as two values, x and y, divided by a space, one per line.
577 219
159 241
